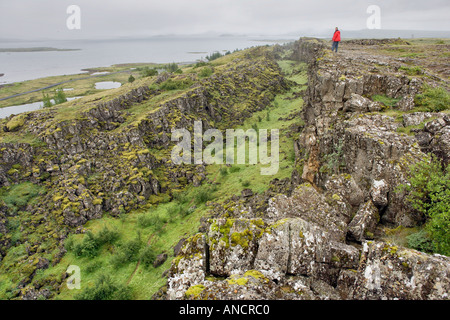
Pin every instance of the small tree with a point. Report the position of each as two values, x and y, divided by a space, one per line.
171 67
46 100
205 72
131 78
147 72
214 56
60 96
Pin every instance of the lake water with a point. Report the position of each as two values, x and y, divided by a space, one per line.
20 66
107 85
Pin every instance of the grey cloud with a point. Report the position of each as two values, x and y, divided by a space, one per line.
110 18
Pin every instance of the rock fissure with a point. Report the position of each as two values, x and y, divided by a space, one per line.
323 238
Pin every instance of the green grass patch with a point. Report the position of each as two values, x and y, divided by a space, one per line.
137 241
432 99
412 71
413 55
295 71
385 100
22 194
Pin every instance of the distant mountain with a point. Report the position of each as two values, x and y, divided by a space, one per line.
385 33
363 33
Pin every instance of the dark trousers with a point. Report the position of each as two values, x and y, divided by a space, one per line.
334 46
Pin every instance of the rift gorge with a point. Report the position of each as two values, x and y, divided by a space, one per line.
331 183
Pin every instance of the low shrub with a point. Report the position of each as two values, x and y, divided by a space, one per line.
171 67
412 71
88 247
148 72
429 193
91 243
126 252
205 72
105 288
107 236
200 64
202 195
216 55
234 169
146 220
147 256
93 266
420 241
245 183
223 171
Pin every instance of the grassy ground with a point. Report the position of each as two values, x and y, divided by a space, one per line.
80 87
173 220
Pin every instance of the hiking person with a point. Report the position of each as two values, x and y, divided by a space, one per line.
336 39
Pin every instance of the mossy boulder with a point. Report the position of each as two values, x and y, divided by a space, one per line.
233 244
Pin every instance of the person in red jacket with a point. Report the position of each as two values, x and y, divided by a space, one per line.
336 39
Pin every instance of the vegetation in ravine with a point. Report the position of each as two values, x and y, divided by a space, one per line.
130 257
429 193
117 255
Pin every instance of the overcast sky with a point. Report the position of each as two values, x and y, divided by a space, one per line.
40 19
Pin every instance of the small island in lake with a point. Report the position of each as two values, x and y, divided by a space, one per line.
34 49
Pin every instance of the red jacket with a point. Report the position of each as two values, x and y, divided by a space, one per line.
337 36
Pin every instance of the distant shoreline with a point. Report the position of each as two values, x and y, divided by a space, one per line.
35 49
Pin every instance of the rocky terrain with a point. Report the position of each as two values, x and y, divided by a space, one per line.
323 238
320 233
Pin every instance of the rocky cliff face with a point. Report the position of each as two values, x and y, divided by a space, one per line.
319 239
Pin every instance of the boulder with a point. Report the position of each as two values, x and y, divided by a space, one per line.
160 259
440 145
253 285
315 254
391 272
345 186
406 103
364 223
246 193
307 203
434 126
188 268
233 244
357 103
379 193
423 139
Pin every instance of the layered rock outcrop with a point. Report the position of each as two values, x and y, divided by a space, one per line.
317 241
289 256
